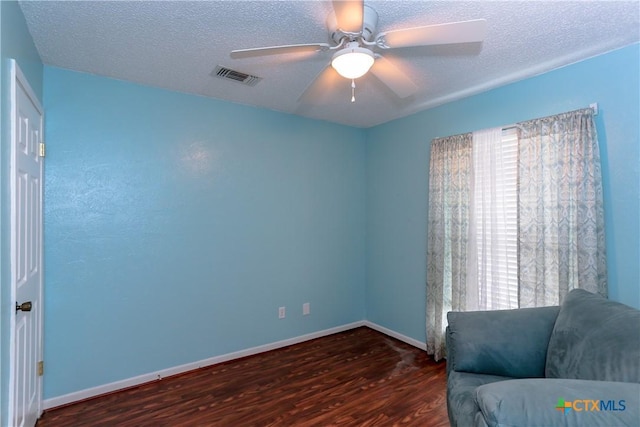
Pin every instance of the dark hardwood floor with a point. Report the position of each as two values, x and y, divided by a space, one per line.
355 378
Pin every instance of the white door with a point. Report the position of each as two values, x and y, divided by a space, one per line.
25 395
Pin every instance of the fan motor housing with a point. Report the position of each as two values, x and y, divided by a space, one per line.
369 26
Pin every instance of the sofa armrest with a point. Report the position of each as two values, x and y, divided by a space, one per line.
559 402
511 343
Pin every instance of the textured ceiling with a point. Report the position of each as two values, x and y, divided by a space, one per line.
177 44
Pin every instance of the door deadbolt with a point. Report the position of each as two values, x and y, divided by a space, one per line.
25 306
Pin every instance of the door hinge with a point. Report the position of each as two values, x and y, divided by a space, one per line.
42 149
40 368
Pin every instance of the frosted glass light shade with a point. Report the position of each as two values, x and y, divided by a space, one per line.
352 62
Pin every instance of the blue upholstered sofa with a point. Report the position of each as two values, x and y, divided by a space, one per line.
573 365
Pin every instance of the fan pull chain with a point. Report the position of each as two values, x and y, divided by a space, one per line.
353 90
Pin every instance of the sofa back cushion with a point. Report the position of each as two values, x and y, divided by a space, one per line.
594 339
511 343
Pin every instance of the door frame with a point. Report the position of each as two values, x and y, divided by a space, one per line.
18 78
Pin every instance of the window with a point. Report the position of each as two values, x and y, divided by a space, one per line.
494 220
515 218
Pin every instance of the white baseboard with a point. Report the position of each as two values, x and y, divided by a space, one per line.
419 344
158 375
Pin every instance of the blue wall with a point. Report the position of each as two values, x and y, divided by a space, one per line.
177 225
397 177
15 43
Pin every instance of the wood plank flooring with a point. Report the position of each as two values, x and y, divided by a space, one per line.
355 378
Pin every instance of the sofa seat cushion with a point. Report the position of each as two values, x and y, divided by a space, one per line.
594 339
461 387
534 402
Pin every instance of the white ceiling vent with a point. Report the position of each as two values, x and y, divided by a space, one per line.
236 76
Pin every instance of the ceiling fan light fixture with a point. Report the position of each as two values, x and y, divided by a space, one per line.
353 61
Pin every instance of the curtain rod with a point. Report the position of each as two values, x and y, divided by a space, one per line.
593 106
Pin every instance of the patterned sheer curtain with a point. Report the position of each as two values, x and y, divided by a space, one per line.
448 232
561 221
557 238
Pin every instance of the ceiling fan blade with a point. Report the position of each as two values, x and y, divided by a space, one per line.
453 32
349 15
277 50
393 77
320 86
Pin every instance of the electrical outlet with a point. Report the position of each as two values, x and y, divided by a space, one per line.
281 313
306 309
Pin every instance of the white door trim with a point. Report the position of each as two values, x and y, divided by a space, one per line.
18 78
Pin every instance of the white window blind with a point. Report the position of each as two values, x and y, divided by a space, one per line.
494 219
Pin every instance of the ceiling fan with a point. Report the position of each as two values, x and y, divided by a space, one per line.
355 42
